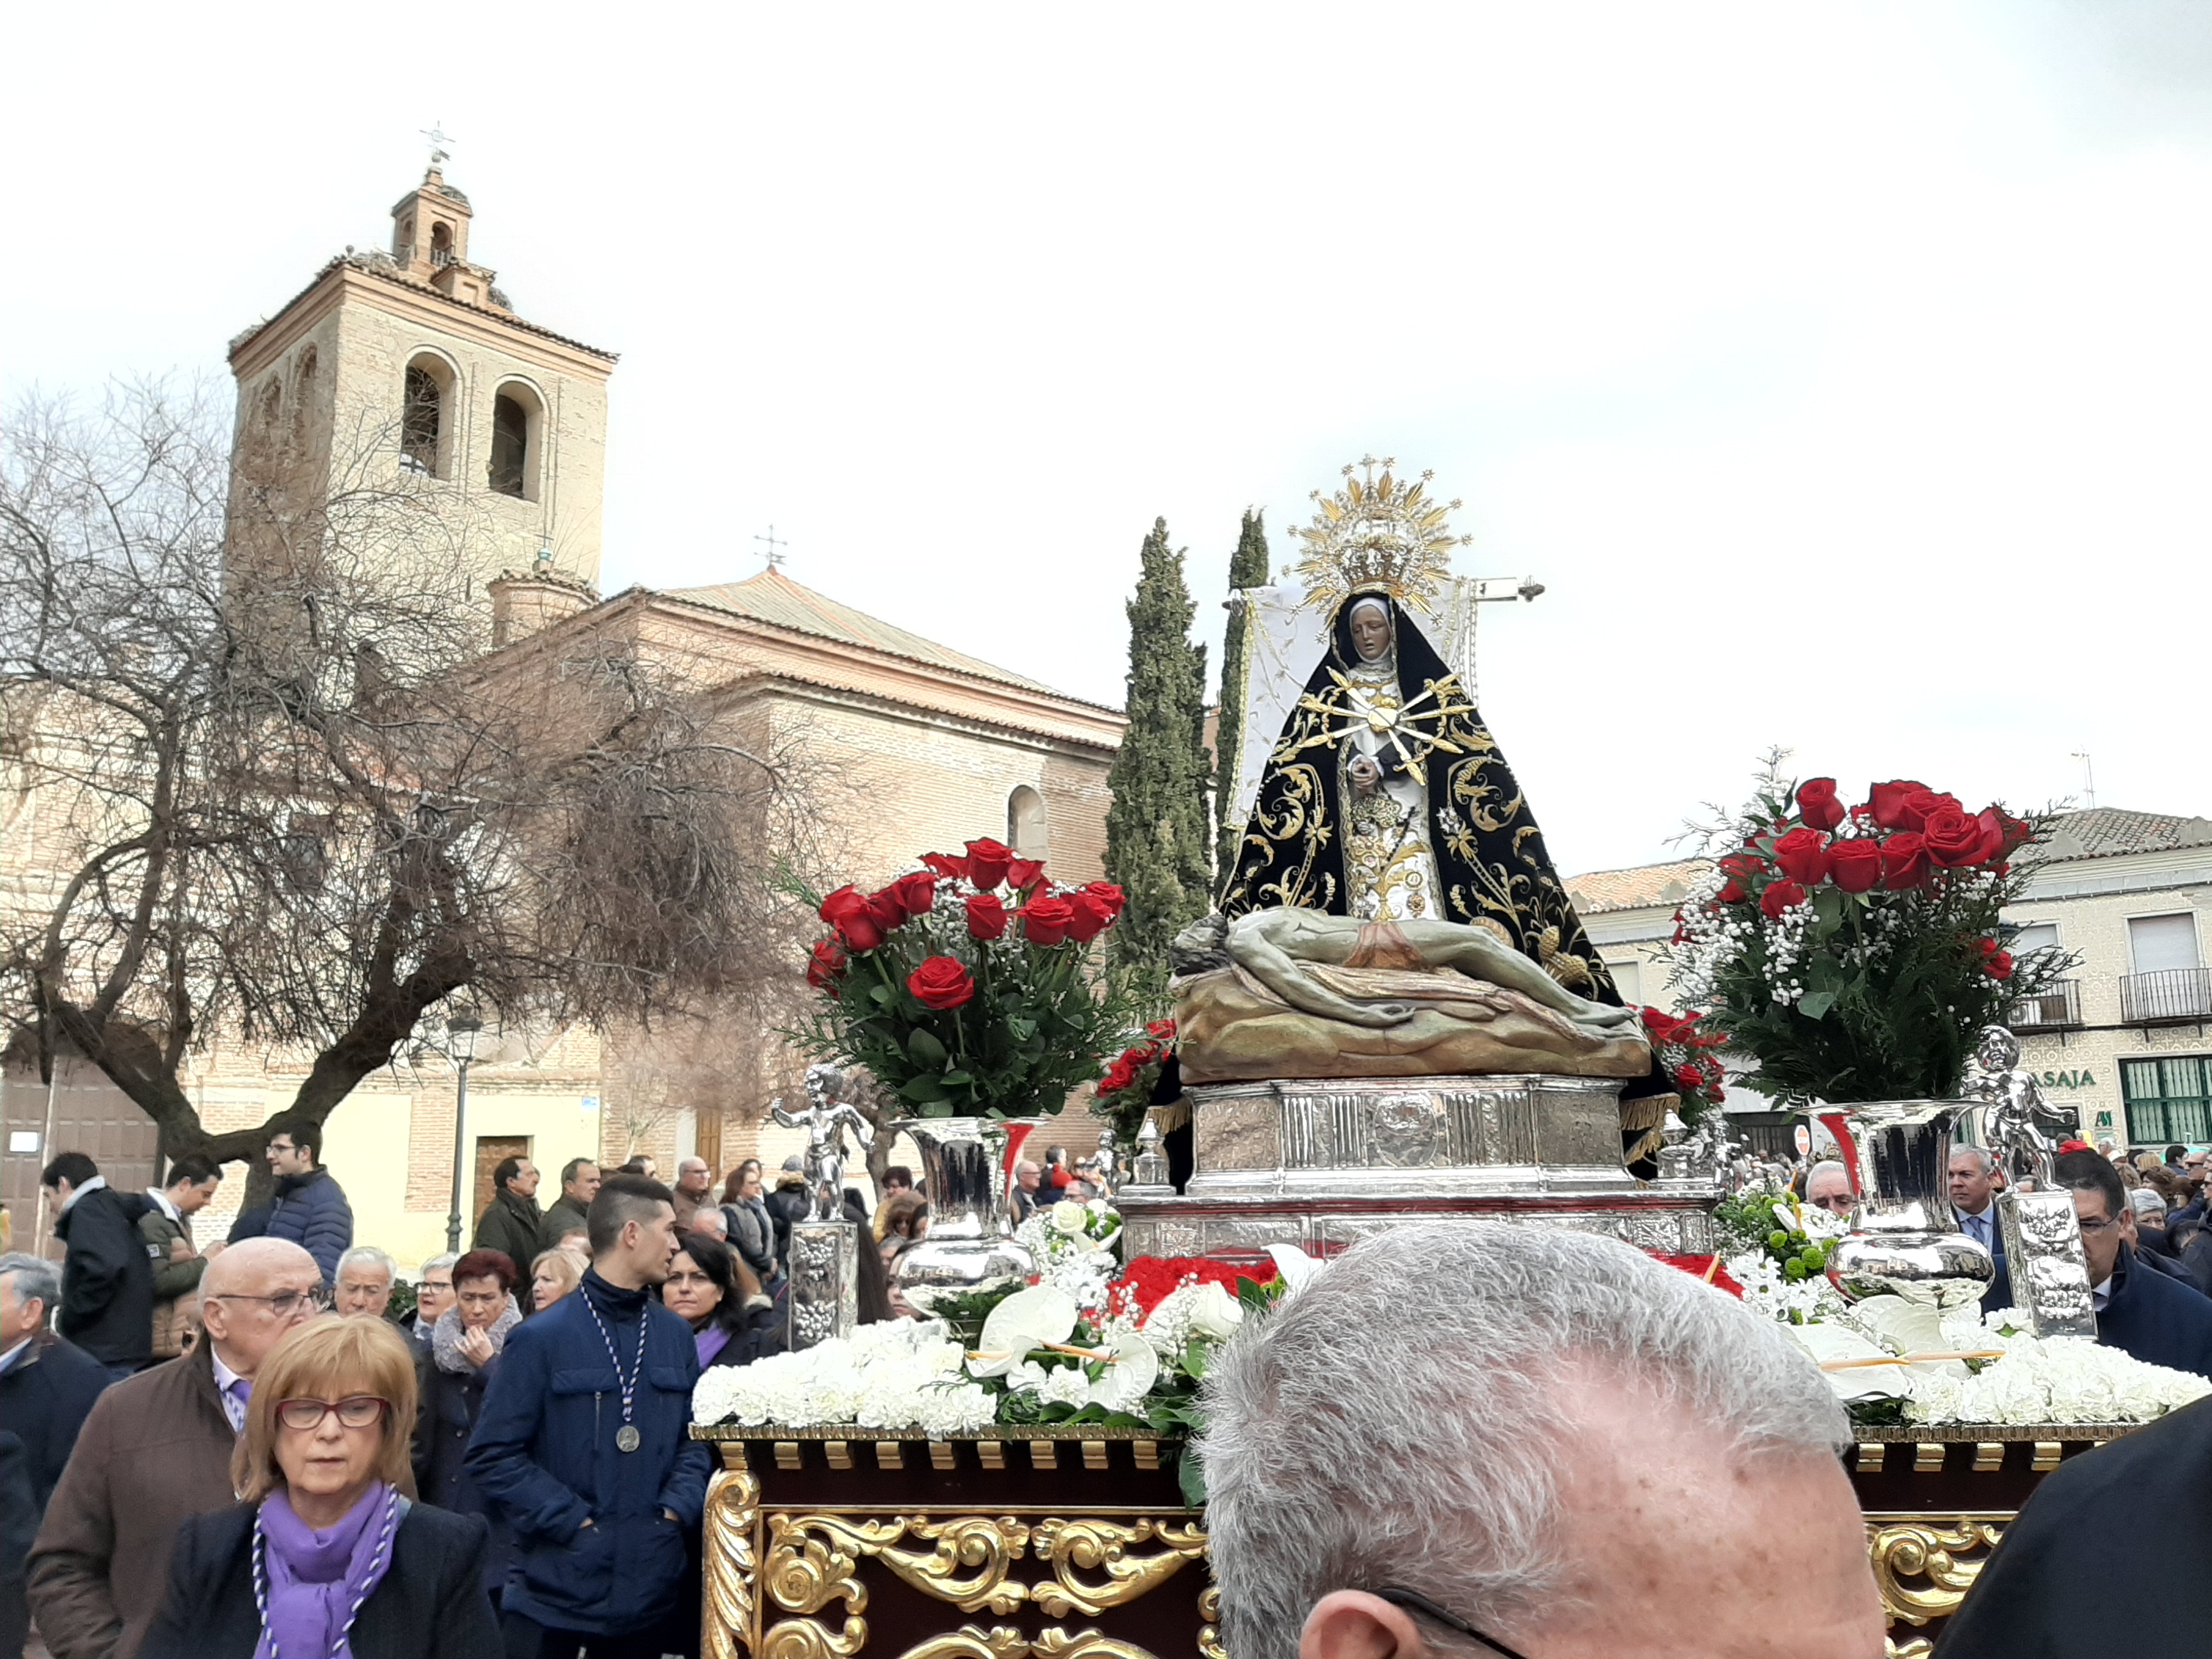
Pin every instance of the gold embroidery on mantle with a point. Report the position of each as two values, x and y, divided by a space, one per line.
1920 1566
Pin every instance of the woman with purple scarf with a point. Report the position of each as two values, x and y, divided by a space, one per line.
328 1557
731 1320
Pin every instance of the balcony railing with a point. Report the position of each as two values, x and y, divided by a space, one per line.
2059 1009
2173 996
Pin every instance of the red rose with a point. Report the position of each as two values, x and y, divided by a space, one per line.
1119 1076
1046 920
986 916
1817 803
1953 839
825 964
1689 1078
1904 861
1888 802
1998 965
940 982
916 892
1108 894
945 865
1024 872
1780 895
1162 1029
857 922
1803 856
1665 1028
987 863
1923 805
1091 917
1855 866
1735 866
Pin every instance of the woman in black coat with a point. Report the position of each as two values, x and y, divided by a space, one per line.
710 1287
327 1549
452 1373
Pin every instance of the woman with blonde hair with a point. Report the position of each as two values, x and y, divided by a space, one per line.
327 1556
552 1276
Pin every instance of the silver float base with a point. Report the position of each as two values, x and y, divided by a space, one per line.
1323 1163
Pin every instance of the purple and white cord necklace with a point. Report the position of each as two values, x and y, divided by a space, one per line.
627 1438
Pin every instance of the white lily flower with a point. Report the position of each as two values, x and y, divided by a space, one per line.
1214 1312
1297 1267
1131 1377
1034 1318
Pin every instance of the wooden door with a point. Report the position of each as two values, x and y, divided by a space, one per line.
492 1151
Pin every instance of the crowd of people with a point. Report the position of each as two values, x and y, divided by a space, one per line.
264 1442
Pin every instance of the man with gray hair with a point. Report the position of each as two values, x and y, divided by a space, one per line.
364 1282
1463 1435
1828 1187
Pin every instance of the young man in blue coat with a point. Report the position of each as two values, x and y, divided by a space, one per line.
310 1208
583 1444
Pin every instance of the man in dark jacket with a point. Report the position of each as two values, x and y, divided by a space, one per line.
46 1385
2064 1570
107 1281
310 1208
155 1450
579 1184
584 1445
510 1222
2161 1321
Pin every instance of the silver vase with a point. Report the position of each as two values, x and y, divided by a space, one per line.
968 1246
1904 1235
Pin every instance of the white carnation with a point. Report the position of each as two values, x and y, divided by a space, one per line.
902 1374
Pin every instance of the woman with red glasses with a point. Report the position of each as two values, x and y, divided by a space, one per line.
328 1555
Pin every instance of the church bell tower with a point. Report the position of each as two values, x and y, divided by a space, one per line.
411 368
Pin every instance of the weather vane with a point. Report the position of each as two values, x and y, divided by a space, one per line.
439 154
774 558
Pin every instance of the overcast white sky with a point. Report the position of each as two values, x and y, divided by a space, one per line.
1845 371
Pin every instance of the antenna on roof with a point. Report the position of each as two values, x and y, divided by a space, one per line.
2088 778
774 558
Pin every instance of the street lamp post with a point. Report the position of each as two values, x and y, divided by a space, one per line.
461 1032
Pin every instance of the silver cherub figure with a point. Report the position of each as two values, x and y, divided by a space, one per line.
826 1119
2015 1116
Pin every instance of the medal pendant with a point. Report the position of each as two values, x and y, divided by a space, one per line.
626 1437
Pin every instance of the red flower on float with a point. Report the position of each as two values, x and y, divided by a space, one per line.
1736 867
1817 803
857 923
913 894
1904 862
1689 1077
940 982
987 915
1802 855
1108 894
1953 840
1151 1278
1162 1029
1046 920
945 865
1022 873
1779 897
1121 1075
825 963
987 863
1856 865
1090 917
1887 806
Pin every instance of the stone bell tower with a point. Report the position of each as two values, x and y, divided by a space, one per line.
412 369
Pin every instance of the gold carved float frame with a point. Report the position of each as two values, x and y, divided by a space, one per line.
787 1577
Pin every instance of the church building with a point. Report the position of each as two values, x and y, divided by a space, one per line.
410 367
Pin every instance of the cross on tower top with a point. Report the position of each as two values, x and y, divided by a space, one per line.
774 543
439 155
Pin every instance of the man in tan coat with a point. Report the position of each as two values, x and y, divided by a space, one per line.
155 1451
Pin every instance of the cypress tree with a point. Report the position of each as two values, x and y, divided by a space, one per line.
1156 828
1247 567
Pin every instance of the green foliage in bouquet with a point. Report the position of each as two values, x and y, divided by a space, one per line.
968 987
1854 953
1775 1227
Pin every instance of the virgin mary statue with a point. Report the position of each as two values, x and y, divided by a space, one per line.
1385 797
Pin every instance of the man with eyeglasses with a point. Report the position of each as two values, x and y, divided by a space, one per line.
1828 1187
2160 1320
1475 1437
155 1450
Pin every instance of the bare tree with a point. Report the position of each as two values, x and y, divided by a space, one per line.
280 795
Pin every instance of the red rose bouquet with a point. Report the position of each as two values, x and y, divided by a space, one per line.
1685 1046
1854 952
968 987
1127 1089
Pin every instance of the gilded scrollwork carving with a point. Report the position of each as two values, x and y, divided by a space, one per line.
811 1638
1921 1567
1209 1633
1078 1547
732 1514
999 1642
811 1559
1054 1642
1919 1647
989 1548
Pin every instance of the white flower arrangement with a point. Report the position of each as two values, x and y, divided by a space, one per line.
898 1375
1075 1247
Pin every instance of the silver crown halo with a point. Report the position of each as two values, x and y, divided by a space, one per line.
1377 534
